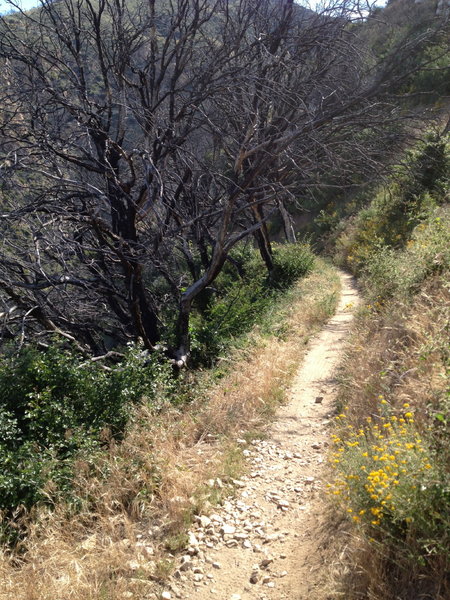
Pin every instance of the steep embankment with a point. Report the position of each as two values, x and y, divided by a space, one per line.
267 540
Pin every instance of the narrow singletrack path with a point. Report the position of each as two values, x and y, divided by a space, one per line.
268 541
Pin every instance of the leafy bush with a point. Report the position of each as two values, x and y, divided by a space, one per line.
388 273
386 472
291 261
241 301
393 484
416 189
54 404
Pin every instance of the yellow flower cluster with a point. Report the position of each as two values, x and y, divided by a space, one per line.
378 467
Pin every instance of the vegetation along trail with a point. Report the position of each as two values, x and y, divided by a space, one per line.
267 541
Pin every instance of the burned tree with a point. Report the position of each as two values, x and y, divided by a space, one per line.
140 142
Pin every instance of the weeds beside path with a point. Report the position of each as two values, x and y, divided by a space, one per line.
268 541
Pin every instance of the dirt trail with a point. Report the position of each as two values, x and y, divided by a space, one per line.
267 542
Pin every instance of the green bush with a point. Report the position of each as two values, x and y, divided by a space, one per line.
55 404
241 301
391 273
393 484
291 262
417 188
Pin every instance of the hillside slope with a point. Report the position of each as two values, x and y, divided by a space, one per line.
392 440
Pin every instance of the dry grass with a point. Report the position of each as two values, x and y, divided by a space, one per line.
398 353
137 499
401 353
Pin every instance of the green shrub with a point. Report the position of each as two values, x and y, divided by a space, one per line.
241 301
291 262
389 272
416 189
54 404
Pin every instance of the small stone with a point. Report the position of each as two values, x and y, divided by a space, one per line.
265 563
227 529
315 446
216 518
271 584
273 537
203 521
318 399
254 577
166 595
176 591
235 597
216 565
266 580
309 480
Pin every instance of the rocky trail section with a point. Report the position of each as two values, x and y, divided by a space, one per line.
267 542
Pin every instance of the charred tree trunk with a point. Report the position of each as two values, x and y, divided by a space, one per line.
262 237
288 225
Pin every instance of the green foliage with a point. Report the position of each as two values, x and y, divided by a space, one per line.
391 457
389 273
54 405
431 84
242 300
291 261
370 241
